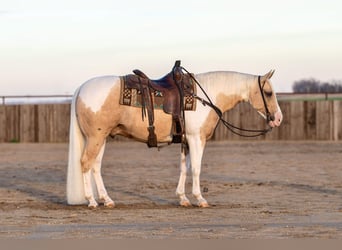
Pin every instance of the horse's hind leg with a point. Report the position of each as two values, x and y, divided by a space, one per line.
103 196
91 162
88 190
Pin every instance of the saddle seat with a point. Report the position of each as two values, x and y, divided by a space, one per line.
170 90
173 86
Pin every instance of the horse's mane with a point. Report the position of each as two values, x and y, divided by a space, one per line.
219 80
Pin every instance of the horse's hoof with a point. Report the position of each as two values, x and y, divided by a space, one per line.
109 204
92 206
185 203
203 204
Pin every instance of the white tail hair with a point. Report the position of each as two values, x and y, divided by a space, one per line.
74 187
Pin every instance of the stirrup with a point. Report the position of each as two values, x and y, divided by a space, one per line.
178 138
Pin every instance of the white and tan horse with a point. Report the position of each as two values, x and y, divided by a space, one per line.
96 114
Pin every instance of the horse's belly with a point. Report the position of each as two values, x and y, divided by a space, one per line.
132 125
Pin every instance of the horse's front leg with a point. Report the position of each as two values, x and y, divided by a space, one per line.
184 166
196 147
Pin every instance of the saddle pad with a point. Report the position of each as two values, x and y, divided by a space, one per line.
132 97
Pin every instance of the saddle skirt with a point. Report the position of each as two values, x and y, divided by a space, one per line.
133 97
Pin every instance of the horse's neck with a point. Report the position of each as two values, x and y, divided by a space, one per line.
225 88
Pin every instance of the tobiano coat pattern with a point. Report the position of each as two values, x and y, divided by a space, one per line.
96 113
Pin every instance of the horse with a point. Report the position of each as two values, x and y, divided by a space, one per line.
97 114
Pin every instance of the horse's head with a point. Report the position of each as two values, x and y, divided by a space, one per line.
263 99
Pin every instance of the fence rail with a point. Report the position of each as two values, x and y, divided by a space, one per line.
39 99
34 99
303 120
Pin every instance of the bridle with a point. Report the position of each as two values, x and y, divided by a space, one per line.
269 117
231 127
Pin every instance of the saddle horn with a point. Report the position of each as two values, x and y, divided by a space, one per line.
177 71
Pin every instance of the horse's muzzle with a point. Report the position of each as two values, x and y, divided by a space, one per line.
276 119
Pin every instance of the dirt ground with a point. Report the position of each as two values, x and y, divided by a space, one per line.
257 190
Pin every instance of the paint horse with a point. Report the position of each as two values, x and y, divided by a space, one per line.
96 114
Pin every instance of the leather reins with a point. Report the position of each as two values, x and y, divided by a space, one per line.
231 127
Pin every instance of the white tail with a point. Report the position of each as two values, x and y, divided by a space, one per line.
75 188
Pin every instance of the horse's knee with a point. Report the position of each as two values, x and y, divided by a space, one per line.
196 172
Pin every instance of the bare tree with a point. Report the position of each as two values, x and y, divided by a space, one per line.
306 86
315 86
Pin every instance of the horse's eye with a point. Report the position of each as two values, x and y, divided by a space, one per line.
268 93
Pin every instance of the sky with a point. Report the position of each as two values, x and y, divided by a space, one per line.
52 47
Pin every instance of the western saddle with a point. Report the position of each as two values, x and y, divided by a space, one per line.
173 86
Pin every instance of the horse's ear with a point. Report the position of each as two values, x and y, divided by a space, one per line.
268 75
272 72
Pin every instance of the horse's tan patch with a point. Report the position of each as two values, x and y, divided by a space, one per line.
208 127
96 128
115 119
224 103
131 125
98 123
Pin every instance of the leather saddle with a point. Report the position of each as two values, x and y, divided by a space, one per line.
173 86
